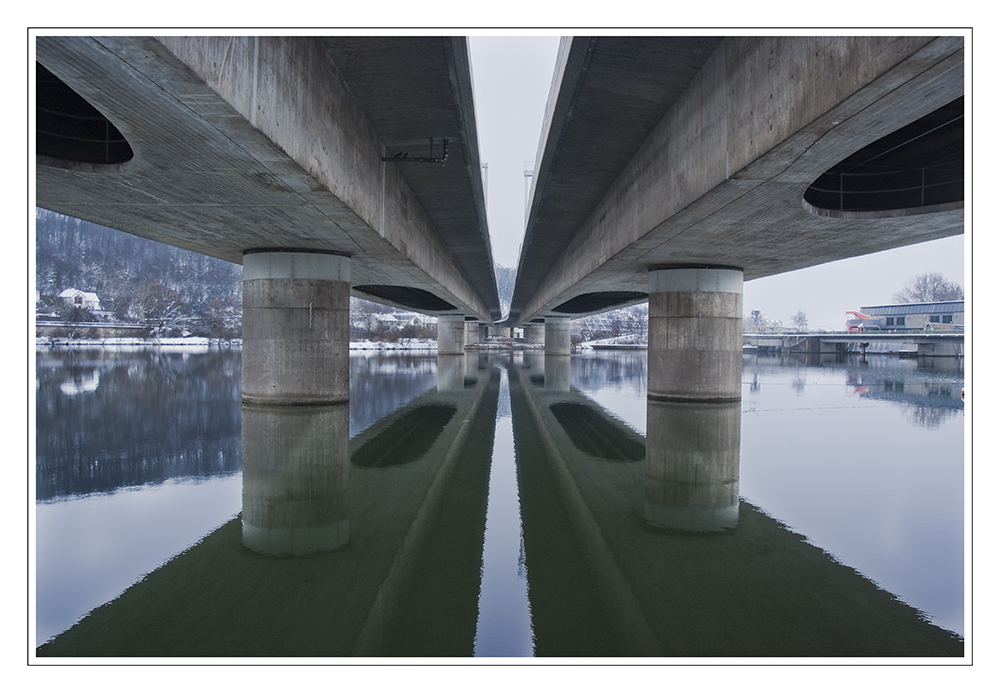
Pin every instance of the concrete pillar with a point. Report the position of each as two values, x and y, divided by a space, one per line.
471 332
534 333
557 335
295 468
695 334
451 334
692 481
296 327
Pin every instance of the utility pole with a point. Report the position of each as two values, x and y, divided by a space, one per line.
527 189
486 185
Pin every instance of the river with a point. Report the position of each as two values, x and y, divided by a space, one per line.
499 505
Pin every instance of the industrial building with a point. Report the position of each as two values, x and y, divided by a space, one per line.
943 316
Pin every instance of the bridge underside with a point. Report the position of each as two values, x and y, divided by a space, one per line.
761 154
227 144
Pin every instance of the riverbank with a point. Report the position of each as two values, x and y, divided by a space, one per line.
204 343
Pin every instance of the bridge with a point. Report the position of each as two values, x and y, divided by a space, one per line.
671 169
327 166
902 343
674 169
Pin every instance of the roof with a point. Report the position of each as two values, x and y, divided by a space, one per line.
72 293
916 308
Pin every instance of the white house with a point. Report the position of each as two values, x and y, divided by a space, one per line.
83 299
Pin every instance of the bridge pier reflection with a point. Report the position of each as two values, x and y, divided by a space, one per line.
595 497
295 467
692 466
557 372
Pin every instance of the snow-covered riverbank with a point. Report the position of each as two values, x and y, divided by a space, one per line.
204 343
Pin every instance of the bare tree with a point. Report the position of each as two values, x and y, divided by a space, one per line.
800 321
925 288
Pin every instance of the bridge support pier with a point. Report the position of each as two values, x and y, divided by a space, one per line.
695 334
475 332
694 381
296 376
557 335
534 333
296 328
451 334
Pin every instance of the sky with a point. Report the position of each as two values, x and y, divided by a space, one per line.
512 76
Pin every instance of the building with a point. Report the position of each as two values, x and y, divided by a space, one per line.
944 316
80 299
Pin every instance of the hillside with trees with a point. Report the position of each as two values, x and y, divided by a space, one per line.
172 291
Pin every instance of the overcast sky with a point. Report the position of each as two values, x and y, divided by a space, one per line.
512 76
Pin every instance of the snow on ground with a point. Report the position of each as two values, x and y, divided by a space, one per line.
402 344
189 343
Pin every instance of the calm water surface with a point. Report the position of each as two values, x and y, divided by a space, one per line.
500 506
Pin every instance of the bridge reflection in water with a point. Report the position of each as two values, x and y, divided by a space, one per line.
373 545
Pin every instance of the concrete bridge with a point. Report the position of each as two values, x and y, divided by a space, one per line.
671 169
327 166
903 343
674 169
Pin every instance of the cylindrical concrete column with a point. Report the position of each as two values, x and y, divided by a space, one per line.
451 334
695 334
534 333
295 468
692 466
296 327
557 335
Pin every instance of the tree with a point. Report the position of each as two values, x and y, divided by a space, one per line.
925 288
800 321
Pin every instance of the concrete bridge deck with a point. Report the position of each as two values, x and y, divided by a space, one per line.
708 151
227 144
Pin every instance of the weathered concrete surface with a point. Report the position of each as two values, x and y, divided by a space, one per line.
261 142
718 173
296 328
534 334
558 334
451 334
695 347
